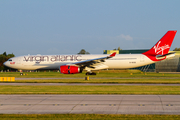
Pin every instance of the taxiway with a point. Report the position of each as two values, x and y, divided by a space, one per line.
90 104
86 84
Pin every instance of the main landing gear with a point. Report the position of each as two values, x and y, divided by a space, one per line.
90 73
21 72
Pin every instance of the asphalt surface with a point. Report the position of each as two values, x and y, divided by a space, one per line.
90 104
97 78
84 84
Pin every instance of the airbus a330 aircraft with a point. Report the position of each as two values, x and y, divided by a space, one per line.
72 64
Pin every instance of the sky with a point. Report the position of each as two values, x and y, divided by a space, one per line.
67 26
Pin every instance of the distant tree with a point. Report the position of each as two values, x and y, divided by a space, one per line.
176 49
4 54
3 58
10 55
119 48
83 51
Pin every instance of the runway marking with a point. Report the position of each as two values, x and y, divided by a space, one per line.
83 104
141 105
95 104
27 104
112 104
169 105
55 104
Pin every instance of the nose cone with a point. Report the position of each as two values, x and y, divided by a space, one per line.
5 63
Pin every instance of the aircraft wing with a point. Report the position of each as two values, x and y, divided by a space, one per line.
93 62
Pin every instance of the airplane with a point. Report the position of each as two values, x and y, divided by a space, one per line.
73 64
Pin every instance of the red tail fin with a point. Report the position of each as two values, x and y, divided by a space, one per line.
162 46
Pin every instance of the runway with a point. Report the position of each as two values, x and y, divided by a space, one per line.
90 104
96 78
86 84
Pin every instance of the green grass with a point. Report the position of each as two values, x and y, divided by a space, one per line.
86 117
113 81
113 76
101 74
151 90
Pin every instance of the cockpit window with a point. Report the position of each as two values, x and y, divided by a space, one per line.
10 60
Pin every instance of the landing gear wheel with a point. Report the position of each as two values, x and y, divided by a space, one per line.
93 73
88 73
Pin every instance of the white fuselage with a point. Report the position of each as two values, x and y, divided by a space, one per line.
120 61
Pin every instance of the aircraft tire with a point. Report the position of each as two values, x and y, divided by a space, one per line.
88 73
93 73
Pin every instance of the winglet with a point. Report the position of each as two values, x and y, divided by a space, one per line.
113 54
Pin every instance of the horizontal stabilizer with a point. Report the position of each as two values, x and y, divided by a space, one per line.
165 56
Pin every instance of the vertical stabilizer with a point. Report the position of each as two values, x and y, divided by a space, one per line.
162 46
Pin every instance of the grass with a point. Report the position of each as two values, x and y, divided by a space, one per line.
86 117
113 76
100 74
141 90
113 81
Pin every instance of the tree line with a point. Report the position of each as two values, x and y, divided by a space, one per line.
3 58
176 49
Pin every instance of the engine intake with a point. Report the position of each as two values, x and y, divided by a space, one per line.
69 69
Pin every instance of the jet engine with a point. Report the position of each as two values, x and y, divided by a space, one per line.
69 69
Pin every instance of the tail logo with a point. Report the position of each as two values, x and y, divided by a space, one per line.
159 49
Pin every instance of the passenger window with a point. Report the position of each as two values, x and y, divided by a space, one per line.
10 59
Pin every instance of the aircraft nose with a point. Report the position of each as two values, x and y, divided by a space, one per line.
5 63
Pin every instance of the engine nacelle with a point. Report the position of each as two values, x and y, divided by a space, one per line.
69 69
